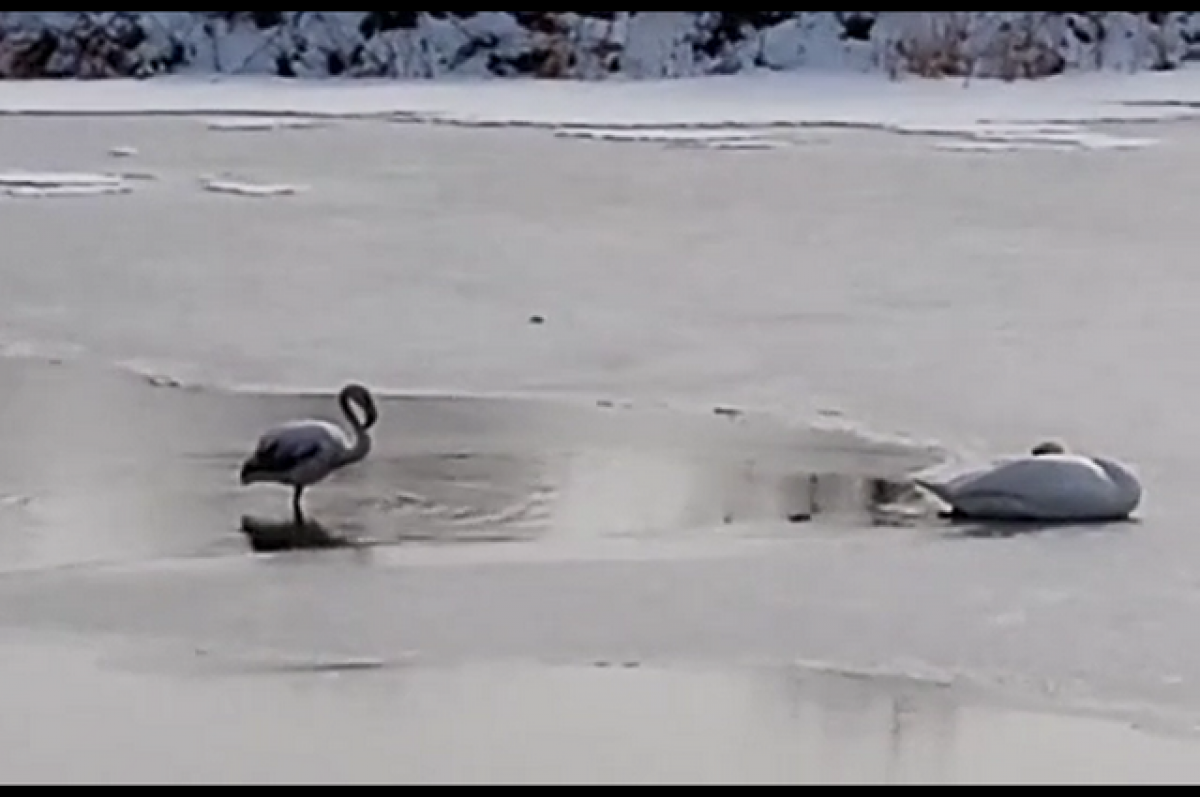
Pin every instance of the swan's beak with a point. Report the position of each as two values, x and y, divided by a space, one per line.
247 474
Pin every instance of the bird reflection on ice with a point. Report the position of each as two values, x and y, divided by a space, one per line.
275 536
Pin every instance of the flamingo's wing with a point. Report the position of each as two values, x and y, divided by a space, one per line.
289 447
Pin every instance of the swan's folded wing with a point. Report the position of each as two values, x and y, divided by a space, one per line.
1040 477
948 489
965 494
999 506
1050 488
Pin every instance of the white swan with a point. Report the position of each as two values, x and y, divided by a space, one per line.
1050 485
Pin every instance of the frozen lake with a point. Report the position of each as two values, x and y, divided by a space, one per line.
563 493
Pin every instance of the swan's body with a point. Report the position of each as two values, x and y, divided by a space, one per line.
1048 486
300 454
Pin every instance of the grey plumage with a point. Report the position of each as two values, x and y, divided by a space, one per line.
300 454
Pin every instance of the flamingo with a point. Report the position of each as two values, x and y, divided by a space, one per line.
300 454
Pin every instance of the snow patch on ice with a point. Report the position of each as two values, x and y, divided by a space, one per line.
1016 138
731 140
63 184
43 351
243 188
747 145
657 136
53 179
990 147
263 124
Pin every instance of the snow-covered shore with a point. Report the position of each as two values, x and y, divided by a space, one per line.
588 45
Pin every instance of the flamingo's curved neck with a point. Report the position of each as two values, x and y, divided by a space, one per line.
358 430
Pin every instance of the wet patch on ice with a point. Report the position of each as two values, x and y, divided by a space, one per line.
14 503
136 176
634 475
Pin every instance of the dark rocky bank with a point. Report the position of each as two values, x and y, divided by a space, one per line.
587 44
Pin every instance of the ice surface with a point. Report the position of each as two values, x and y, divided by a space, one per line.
743 103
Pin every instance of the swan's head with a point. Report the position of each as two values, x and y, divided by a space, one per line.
1049 449
361 397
